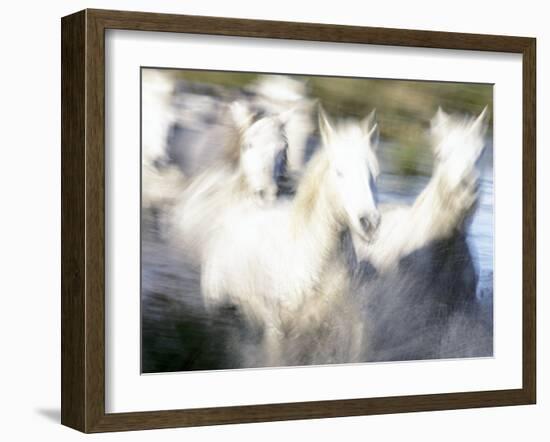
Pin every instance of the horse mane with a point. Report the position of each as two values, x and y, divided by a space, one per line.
231 151
308 191
234 137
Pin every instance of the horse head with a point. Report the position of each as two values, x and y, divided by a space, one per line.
353 169
262 150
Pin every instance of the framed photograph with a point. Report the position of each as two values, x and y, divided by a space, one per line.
268 220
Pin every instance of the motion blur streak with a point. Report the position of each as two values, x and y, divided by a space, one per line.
277 233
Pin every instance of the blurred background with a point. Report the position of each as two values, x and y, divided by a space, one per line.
403 108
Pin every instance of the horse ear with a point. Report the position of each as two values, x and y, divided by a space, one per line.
285 116
302 106
368 122
439 120
374 136
325 127
438 127
479 127
481 122
241 115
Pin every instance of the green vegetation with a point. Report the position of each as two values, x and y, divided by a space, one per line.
404 107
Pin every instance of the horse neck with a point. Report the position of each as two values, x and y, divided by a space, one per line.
435 204
439 184
316 217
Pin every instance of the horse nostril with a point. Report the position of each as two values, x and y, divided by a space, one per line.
260 193
370 223
365 224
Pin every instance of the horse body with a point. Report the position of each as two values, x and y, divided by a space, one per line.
266 261
279 264
246 175
422 304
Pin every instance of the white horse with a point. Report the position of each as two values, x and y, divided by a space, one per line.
247 173
276 94
157 114
282 265
203 129
445 203
160 181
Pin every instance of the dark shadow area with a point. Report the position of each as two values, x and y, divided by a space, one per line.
427 308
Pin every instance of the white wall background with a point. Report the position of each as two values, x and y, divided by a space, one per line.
30 216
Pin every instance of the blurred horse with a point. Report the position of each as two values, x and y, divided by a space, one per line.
195 137
204 127
276 278
161 181
276 94
248 173
282 265
422 302
444 205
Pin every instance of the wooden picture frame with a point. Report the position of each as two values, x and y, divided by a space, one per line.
83 220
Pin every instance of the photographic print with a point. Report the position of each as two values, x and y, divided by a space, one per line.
296 220
248 204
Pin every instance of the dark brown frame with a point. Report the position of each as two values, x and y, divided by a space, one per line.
83 219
